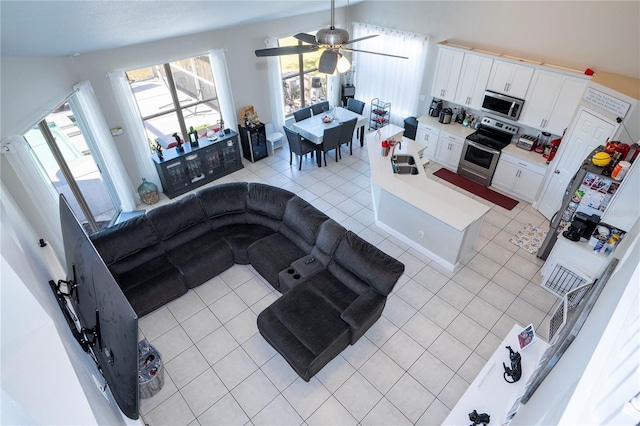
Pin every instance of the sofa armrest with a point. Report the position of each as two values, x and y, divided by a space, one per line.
363 313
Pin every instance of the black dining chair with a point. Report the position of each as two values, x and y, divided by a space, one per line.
346 136
331 140
320 107
302 114
298 146
355 105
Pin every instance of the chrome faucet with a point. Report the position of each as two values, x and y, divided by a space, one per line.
393 149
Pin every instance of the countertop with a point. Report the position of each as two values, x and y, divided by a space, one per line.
530 156
439 201
453 128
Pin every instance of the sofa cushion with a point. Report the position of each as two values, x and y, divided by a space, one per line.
152 284
266 204
240 236
368 263
225 199
301 223
125 239
328 236
272 254
202 258
305 329
175 217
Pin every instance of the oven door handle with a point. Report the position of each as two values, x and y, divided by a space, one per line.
482 147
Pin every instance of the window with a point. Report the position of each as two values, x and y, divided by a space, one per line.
65 154
175 96
302 83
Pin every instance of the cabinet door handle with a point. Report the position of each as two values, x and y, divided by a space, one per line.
557 172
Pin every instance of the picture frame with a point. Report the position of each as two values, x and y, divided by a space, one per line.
526 337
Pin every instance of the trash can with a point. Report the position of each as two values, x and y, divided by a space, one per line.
410 127
150 370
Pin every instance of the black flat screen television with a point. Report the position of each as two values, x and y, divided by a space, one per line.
108 324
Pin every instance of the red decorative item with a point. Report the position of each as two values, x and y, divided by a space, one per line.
588 71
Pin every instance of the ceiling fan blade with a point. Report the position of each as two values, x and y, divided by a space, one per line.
361 38
328 62
306 38
375 53
286 50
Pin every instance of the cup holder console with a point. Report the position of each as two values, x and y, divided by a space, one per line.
298 271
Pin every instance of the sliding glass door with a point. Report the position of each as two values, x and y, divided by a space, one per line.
65 154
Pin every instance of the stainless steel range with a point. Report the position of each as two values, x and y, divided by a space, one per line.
482 148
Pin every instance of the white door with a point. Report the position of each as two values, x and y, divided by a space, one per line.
588 132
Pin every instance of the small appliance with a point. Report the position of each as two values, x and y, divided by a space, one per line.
575 231
590 222
436 107
445 116
526 142
503 105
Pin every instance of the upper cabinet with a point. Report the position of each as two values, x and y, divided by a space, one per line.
448 69
510 78
473 80
551 101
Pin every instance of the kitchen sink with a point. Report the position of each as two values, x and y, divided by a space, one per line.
404 165
405 169
405 159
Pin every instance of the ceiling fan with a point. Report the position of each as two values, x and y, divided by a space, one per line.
332 40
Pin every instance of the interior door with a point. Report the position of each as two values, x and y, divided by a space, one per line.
588 132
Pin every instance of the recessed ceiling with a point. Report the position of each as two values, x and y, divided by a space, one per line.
60 28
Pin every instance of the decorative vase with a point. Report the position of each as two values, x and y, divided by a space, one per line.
148 192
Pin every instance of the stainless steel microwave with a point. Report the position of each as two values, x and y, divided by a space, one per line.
503 105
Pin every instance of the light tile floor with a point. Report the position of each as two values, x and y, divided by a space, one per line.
436 332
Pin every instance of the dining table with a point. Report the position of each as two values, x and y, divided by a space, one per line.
313 128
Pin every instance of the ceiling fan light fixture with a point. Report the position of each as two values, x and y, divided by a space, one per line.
343 64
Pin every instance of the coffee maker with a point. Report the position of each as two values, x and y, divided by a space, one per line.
590 223
436 107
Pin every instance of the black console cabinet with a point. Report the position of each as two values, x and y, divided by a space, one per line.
181 172
254 142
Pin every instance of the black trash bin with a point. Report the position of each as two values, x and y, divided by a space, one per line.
410 127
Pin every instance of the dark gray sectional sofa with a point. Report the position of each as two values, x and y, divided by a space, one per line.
338 296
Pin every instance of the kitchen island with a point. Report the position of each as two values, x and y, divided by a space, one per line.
437 221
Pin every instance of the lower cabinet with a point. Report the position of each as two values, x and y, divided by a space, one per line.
428 136
181 172
449 150
518 177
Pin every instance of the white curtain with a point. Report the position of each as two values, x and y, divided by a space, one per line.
94 127
134 127
393 80
223 88
275 87
38 187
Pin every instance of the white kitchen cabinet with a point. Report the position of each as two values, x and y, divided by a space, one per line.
449 150
518 177
473 80
447 74
428 136
551 101
510 78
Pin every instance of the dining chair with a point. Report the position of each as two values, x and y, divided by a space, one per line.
331 140
355 105
302 113
298 146
320 107
346 136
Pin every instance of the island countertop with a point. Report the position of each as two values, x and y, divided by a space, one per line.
439 201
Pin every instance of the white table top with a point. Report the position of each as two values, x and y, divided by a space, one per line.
312 128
